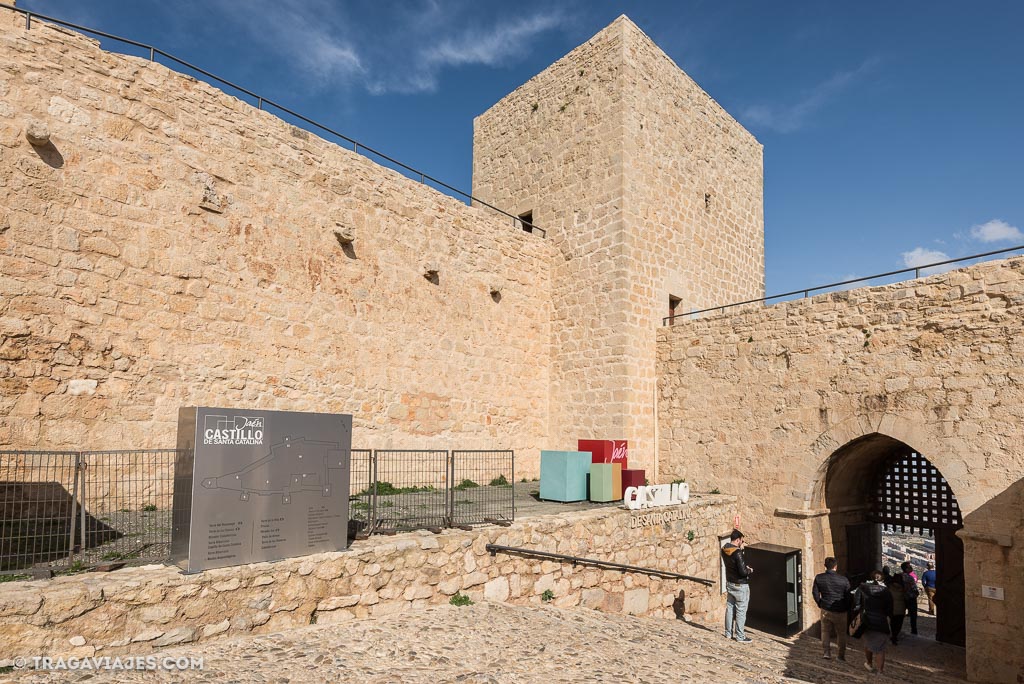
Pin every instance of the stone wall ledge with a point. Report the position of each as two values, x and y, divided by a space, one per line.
144 608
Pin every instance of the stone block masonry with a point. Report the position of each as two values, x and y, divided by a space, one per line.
935 363
138 610
171 245
652 194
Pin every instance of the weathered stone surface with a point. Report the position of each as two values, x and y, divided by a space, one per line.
335 602
798 397
178 635
497 589
118 287
219 628
206 605
37 133
607 117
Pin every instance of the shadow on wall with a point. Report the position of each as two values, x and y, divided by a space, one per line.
36 524
993 537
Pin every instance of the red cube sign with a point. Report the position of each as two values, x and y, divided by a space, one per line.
606 450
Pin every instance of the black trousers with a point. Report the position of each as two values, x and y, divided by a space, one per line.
912 612
896 624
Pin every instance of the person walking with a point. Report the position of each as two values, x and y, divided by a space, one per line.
928 581
831 591
737 588
874 602
899 606
910 594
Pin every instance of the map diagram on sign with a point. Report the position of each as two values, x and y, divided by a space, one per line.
291 467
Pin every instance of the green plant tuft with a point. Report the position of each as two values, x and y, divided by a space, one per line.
74 568
679 481
14 578
716 490
690 536
149 508
387 489
533 108
547 595
466 484
460 599
499 481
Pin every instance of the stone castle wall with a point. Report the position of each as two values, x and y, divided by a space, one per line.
175 246
692 207
136 610
758 401
613 148
553 147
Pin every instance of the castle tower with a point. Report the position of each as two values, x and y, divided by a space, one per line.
652 194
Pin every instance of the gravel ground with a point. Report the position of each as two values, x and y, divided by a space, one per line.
502 644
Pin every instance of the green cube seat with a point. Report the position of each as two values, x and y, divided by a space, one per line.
563 475
602 478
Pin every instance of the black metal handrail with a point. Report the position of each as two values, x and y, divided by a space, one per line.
916 269
576 560
261 101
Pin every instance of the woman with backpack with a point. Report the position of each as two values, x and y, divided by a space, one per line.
874 602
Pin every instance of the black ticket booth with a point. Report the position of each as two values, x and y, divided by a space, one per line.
776 595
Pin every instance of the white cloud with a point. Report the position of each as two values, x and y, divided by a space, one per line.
919 256
997 231
313 36
502 43
493 46
792 117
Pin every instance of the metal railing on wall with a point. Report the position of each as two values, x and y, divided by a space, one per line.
806 292
262 103
67 511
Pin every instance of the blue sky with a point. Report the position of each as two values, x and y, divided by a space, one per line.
893 131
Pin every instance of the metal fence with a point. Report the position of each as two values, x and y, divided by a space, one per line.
69 510
64 511
483 487
432 489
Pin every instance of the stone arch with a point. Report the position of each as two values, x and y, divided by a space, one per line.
844 490
866 429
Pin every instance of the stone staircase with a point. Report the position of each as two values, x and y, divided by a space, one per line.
494 643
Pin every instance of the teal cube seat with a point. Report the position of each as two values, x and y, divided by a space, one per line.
563 475
602 482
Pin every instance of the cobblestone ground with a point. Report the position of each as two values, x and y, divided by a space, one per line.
501 644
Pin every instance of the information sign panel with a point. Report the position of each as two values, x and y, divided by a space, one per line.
253 486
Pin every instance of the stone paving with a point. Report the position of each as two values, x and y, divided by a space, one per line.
500 644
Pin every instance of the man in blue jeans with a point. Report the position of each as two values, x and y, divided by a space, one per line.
737 586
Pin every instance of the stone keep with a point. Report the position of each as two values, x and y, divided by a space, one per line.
651 194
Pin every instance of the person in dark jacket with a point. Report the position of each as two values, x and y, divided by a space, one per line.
831 592
910 593
737 587
874 602
899 606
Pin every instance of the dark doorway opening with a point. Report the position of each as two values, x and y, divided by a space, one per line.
673 305
526 221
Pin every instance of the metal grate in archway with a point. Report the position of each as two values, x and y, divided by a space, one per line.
913 496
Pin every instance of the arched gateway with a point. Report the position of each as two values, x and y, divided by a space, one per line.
877 480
